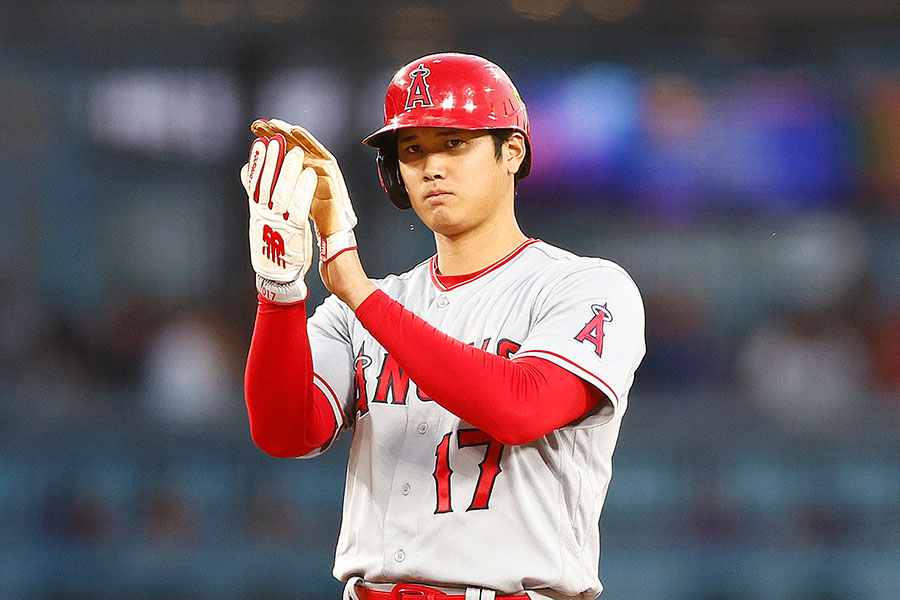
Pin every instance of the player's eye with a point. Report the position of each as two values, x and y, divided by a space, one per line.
455 143
412 149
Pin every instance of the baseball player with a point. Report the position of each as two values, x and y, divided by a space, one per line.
485 387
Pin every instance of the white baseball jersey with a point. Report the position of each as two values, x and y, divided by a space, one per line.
431 499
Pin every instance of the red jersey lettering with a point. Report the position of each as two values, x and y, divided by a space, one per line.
359 385
391 379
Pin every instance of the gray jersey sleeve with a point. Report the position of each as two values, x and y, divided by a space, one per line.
333 361
591 323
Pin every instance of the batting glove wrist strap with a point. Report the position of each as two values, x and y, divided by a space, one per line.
282 293
331 246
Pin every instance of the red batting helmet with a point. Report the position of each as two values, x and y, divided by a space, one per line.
461 91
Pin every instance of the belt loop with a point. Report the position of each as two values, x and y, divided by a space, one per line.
350 588
480 594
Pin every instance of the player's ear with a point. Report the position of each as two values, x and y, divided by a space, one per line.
514 150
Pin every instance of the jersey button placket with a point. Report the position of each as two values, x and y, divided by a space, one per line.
404 503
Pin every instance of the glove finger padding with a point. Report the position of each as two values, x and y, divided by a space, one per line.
279 195
286 185
257 158
245 177
301 198
271 169
331 209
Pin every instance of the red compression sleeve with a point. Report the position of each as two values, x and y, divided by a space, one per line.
289 416
515 401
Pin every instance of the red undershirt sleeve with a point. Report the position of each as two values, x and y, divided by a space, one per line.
289 416
515 401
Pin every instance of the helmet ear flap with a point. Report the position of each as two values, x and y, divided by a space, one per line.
391 182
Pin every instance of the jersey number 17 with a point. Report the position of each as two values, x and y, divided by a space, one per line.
489 468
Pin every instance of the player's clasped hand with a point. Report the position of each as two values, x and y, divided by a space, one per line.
279 192
331 210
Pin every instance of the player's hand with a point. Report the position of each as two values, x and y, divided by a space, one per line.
279 192
331 209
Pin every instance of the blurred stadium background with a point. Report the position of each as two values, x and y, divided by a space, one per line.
741 158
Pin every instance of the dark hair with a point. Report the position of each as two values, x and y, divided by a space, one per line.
501 136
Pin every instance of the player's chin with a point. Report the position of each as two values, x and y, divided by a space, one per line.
434 213
446 225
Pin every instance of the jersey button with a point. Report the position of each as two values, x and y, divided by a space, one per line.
443 302
405 489
399 555
423 427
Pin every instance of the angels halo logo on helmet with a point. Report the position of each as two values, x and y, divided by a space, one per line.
460 91
417 92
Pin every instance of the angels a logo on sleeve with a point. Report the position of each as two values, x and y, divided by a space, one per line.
417 93
592 332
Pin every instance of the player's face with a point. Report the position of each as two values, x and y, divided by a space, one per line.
454 180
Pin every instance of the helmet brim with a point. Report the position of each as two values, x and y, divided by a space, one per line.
381 138
386 137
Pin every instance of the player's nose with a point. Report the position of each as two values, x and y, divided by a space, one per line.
434 167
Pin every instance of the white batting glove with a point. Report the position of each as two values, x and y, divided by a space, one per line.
279 192
331 211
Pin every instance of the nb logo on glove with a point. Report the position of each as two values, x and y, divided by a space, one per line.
273 245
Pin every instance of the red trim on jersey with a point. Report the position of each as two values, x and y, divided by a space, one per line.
446 283
580 368
289 415
515 401
334 397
